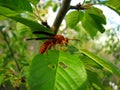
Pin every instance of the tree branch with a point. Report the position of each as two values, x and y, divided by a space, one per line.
61 13
81 6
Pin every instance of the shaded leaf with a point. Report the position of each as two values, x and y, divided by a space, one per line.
98 13
94 80
114 4
61 72
1 27
16 5
72 49
93 21
107 65
73 18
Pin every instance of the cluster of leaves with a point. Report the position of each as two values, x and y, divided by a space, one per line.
68 70
91 20
14 60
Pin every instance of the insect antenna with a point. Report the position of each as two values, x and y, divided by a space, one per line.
75 39
42 38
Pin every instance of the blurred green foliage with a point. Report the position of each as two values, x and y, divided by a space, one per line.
67 68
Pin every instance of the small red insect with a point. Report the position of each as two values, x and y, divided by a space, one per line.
57 39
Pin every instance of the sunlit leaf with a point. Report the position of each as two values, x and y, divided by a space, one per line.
114 4
22 29
88 62
93 21
61 72
104 63
16 5
73 18
18 17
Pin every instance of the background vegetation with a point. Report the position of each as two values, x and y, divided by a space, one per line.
87 64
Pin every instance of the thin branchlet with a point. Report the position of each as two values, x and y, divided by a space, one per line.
81 6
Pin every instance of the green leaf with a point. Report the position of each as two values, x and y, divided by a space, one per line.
54 7
88 62
104 63
114 4
22 29
93 21
1 78
18 17
57 71
2 18
16 5
72 49
73 18
98 13
35 2
94 80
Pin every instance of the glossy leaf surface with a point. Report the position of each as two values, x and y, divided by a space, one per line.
64 71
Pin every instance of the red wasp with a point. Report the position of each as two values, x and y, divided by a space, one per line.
51 42
57 39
